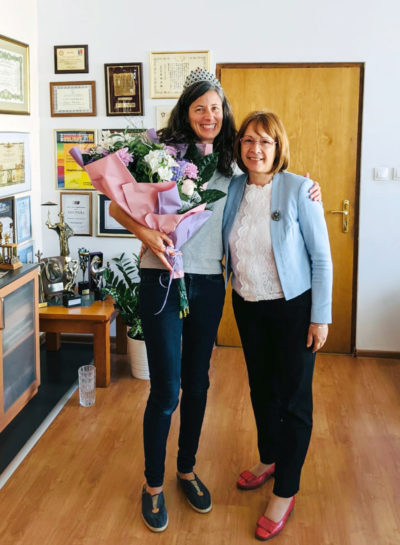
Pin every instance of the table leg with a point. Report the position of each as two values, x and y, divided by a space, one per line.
101 353
121 340
53 341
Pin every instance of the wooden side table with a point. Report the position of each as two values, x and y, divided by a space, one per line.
95 319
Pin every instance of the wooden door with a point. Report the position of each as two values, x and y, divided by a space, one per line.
320 106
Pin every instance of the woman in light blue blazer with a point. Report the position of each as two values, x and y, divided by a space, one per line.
277 249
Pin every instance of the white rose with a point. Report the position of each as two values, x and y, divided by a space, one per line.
165 173
153 160
188 187
171 161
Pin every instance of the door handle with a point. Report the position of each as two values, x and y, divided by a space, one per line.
345 215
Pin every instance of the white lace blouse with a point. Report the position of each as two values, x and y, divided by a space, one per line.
255 277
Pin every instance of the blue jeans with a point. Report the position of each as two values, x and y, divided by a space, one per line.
179 352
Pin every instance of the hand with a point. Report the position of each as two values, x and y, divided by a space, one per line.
156 242
315 190
143 248
317 335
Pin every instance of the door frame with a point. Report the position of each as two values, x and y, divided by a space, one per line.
361 66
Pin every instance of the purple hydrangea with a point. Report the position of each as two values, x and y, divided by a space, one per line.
125 156
179 171
191 171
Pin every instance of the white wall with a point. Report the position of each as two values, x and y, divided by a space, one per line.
18 20
253 31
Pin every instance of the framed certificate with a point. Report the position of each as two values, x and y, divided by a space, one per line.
26 252
77 210
23 219
71 59
106 225
72 98
14 163
162 116
7 219
124 89
14 77
168 71
70 175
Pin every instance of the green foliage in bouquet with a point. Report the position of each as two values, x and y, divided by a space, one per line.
124 290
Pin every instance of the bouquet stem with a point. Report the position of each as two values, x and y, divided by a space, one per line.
183 299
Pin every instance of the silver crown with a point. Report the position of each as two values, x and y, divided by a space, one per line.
200 74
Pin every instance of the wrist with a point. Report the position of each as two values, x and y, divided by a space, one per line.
318 325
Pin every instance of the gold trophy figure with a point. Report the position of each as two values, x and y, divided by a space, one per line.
63 231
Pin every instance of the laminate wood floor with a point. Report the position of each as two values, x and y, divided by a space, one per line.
81 483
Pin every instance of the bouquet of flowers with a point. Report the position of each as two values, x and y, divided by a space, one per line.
160 186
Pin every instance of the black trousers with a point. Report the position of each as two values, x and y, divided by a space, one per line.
280 369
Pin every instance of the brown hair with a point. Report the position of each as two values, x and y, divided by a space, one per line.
273 126
179 129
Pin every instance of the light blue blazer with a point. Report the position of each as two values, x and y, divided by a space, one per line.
299 237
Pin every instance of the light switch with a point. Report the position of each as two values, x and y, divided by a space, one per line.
396 173
382 173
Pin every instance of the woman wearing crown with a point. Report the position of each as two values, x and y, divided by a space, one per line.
179 350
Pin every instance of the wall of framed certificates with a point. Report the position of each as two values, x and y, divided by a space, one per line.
20 175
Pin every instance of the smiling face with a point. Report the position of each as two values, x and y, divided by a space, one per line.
258 150
205 117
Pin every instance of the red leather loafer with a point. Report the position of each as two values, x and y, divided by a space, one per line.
267 528
248 481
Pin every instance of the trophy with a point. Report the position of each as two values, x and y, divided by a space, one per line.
96 273
70 299
63 231
8 258
83 286
52 269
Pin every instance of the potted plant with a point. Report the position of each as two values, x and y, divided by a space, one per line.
124 289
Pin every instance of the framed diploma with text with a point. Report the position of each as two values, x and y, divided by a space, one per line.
106 225
72 98
77 210
70 175
168 71
15 170
23 219
26 252
14 77
71 59
124 95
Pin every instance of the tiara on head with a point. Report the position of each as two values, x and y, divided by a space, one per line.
200 74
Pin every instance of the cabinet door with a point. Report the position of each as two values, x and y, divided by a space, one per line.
19 349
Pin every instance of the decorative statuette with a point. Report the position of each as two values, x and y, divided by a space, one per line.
70 299
96 272
63 231
276 216
83 286
8 258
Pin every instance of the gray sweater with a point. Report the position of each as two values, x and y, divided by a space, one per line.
203 252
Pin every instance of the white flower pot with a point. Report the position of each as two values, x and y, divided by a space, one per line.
138 359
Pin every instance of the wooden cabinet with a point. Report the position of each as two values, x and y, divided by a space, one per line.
19 341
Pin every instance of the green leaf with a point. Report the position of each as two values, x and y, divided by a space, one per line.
193 154
208 166
211 195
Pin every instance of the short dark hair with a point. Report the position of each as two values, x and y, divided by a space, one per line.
179 129
273 126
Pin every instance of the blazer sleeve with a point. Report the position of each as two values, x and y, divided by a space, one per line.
315 234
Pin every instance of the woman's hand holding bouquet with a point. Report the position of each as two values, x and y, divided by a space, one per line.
162 187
